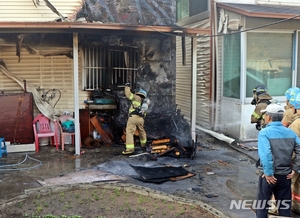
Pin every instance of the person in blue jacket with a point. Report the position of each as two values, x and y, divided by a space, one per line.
276 145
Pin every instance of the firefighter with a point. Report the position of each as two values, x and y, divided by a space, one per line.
261 99
135 120
295 126
290 112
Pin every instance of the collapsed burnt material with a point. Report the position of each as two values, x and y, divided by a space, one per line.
173 126
161 174
172 148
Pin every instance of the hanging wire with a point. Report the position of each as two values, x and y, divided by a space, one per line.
241 31
18 164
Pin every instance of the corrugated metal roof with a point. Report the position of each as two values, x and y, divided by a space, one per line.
258 10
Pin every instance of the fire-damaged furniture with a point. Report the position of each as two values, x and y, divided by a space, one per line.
91 123
16 115
97 117
85 124
42 129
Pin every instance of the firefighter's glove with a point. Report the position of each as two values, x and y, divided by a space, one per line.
127 84
258 126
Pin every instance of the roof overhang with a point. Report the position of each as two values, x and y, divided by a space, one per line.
263 11
69 27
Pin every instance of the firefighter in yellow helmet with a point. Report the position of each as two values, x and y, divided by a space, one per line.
135 119
261 99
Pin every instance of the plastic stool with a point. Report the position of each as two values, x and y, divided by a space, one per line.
2 147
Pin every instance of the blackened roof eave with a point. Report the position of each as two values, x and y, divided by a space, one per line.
263 11
83 27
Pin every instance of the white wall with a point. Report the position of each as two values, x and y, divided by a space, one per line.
54 72
24 10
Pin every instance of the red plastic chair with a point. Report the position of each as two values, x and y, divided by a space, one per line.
42 129
63 134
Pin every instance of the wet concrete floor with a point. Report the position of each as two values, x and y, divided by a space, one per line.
233 170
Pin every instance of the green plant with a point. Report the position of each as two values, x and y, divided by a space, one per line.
39 209
141 200
81 201
20 204
126 193
112 197
117 192
171 207
67 206
181 212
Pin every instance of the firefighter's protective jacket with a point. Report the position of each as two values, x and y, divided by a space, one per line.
295 125
262 103
135 99
289 115
134 122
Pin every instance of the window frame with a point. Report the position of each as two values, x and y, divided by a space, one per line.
195 18
248 100
109 73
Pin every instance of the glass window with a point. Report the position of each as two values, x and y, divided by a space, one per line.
232 65
198 6
269 62
189 8
182 9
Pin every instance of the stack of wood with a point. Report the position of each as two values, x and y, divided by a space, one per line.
160 146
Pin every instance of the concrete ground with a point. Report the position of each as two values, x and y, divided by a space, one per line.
223 173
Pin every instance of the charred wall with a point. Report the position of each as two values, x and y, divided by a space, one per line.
133 12
156 75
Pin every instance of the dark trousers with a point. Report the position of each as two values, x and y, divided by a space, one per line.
282 193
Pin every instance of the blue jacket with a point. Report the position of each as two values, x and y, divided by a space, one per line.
276 145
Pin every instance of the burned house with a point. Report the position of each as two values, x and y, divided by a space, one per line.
75 56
